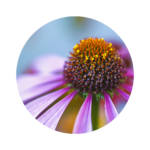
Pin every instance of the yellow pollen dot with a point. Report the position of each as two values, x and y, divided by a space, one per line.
104 55
81 55
86 58
109 45
102 39
96 56
76 46
82 40
111 49
92 58
78 51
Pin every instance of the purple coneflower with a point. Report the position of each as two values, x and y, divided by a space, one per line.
94 70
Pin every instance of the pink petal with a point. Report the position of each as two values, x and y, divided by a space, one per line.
52 116
129 72
124 52
48 63
27 81
37 106
110 110
39 90
127 87
83 121
125 95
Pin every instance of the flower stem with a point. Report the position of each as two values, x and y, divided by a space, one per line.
95 112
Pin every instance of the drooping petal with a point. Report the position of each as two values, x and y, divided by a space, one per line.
48 63
38 105
124 52
83 121
110 110
127 87
125 95
129 72
39 90
27 81
52 116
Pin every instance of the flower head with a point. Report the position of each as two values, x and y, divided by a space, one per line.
94 66
95 70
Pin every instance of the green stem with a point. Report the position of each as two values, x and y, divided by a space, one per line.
95 112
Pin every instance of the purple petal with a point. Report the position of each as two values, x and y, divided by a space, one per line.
110 110
127 87
48 63
37 106
125 95
27 81
39 90
83 121
51 117
124 52
129 72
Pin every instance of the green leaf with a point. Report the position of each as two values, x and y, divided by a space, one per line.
111 94
102 96
98 96
116 92
85 95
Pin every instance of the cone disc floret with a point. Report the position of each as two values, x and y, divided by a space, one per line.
94 66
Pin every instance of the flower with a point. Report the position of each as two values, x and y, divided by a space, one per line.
95 70
123 51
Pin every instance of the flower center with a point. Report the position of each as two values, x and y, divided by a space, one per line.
94 66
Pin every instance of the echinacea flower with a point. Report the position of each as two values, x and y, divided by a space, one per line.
95 70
